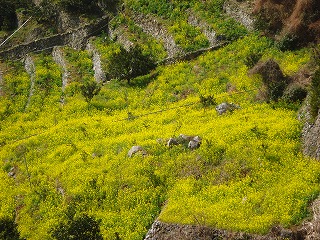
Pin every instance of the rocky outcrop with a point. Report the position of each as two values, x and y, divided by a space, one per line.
67 21
297 21
241 11
166 231
99 74
312 228
311 138
155 28
77 39
31 69
191 142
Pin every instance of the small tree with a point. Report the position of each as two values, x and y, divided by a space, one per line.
81 228
89 89
126 65
8 229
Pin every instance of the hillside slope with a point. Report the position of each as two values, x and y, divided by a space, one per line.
68 125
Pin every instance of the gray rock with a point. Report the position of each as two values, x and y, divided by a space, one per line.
185 138
136 149
224 107
12 172
194 143
172 142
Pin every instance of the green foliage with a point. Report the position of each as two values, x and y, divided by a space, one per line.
150 46
126 65
8 17
87 6
8 229
89 90
83 228
188 37
167 9
287 42
46 12
207 101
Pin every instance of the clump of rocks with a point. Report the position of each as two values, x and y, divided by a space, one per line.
226 107
191 142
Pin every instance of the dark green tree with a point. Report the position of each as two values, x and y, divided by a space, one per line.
126 65
8 17
80 228
87 6
8 229
89 89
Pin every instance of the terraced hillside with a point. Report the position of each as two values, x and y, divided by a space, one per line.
86 155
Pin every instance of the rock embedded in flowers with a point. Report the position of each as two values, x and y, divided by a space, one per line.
194 143
224 107
136 149
172 142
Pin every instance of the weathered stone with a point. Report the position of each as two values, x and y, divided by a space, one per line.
241 11
185 138
30 69
172 142
167 231
194 144
99 74
136 149
224 107
58 57
311 139
12 172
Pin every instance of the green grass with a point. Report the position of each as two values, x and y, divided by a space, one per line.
248 174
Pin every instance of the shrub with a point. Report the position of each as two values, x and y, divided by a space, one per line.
80 228
130 64
8 18
89 89
207 101
8 229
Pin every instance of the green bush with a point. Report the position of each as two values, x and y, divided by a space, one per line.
8 229
126 65
81 228
89 89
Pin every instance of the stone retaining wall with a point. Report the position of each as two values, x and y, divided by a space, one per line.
76 38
